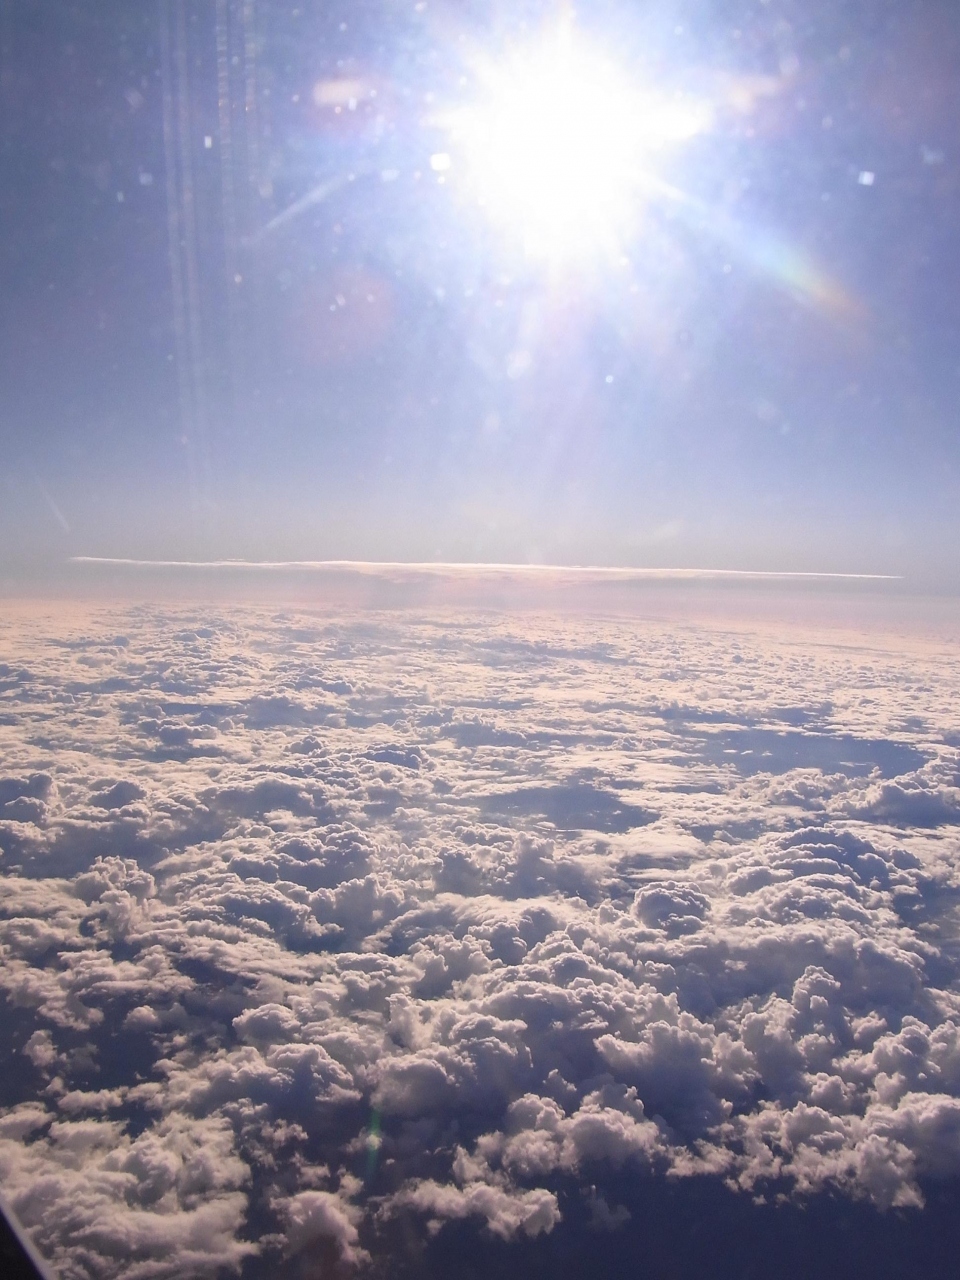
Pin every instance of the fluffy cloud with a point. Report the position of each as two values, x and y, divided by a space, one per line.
311 927
169 1202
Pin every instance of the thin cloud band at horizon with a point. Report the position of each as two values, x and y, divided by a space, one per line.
466 568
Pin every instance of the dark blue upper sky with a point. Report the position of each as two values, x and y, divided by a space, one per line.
243 315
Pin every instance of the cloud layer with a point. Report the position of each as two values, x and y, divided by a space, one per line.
314 929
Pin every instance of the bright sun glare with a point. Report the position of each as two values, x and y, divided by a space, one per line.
558 144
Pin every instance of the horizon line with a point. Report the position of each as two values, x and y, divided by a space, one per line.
437 567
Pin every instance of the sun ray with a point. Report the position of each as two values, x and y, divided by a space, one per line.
557 143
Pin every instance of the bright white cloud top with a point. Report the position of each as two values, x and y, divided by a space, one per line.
315 929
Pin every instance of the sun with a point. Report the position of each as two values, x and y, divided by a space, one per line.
558 146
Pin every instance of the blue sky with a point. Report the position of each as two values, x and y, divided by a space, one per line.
761 373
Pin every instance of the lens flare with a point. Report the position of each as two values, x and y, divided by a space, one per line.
558 144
